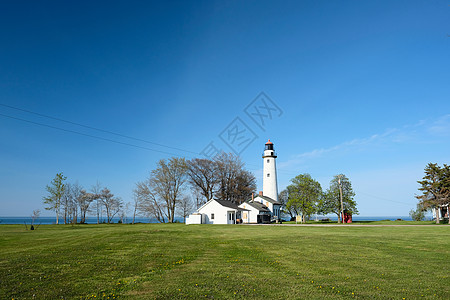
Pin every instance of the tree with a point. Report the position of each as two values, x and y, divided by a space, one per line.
55 191
147 202
235 183
418 214
331 200
75 193
283 198
304 194
435 188
112 204
84 200
34 217
186 206
203 177
96 191
162 191
136 204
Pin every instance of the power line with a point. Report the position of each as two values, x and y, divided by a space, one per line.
97 129
137 146
106 131
381 198
88 135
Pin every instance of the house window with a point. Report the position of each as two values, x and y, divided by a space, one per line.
268 161
212 216
268 174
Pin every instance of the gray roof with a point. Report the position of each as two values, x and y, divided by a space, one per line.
258 206
268 199
229 204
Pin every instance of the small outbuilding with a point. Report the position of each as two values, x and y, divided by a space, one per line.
347 216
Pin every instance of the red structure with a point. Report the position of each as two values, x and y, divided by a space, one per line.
347 217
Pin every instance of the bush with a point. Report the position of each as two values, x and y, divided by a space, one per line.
418 214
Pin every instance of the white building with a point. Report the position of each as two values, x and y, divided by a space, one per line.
216 212
255 212
443 212
271 204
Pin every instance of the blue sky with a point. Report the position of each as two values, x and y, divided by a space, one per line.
362 89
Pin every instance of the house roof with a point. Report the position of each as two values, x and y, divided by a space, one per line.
227 203
224 203
268 199
258 206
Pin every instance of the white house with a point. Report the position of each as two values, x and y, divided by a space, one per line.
273 205
255 212
216 212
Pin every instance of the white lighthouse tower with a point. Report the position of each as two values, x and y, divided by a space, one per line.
270 186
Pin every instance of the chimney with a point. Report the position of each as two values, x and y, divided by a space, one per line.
260 193
252 196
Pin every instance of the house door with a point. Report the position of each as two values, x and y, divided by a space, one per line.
231 217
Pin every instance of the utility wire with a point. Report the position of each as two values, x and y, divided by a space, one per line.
88 135
381 198
105 131
97 129
133 145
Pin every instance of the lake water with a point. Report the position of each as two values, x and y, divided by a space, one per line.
89 220
93 220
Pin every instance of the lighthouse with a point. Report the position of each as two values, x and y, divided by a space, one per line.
270 186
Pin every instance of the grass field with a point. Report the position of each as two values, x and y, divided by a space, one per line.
148 261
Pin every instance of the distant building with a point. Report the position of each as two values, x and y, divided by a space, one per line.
443 212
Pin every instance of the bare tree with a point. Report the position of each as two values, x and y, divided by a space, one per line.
67 202
34 217
146 202
96 190
235 184
203 177
136 205
112 204
84 200
115 208
75 193
185 207
163 190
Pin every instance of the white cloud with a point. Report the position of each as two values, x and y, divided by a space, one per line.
441 127
421 131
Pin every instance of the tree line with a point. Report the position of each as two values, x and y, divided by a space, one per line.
182 185
435 188
305 197
71 202
175 187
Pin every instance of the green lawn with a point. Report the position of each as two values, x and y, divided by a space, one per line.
175 261
384 222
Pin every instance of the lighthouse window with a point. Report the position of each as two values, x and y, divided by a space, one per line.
271 153
268 161
268 174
